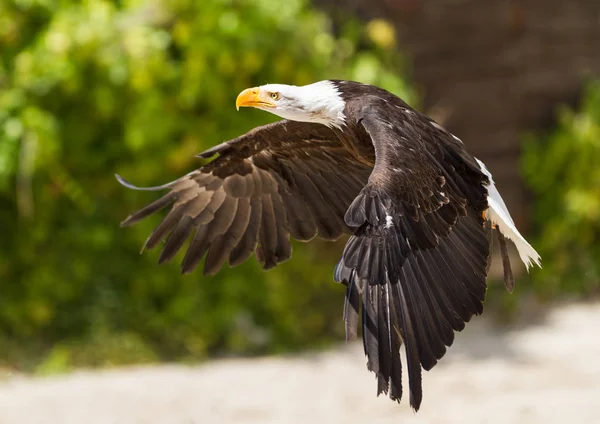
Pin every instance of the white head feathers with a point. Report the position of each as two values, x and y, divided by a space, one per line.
320 102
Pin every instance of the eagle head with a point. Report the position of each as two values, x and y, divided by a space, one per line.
320 102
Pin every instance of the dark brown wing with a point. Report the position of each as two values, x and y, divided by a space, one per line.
282 179
418 258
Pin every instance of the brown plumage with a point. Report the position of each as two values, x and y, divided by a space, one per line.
355 159
280 180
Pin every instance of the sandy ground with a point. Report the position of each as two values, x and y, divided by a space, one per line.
547 372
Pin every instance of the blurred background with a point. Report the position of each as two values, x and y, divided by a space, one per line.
92 88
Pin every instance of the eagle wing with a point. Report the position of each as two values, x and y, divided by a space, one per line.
418 257
281 179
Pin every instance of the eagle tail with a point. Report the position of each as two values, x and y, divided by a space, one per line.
498 214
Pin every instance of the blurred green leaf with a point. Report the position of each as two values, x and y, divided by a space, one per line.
563 171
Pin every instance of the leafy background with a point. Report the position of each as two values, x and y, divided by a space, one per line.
563 170
93 88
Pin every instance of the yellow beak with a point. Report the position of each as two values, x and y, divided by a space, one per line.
251 97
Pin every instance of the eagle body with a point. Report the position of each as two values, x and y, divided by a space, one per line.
351 158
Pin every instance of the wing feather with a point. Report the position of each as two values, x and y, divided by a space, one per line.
420 250
148 210
176 239
280 180
329 226
196 251
247 244
217 254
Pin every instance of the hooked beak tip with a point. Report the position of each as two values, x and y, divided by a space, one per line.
247 98
251 97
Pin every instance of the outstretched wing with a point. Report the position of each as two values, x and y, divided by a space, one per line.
418 257
282 179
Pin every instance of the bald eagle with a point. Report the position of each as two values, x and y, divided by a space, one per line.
351 158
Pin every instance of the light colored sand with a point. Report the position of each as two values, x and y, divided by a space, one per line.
545 373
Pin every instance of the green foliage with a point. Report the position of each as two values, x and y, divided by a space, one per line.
91 88
563 170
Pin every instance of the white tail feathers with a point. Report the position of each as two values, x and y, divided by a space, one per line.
498 214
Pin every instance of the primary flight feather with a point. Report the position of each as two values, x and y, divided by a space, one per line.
352 158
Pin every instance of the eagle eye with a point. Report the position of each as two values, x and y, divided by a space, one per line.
275 96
